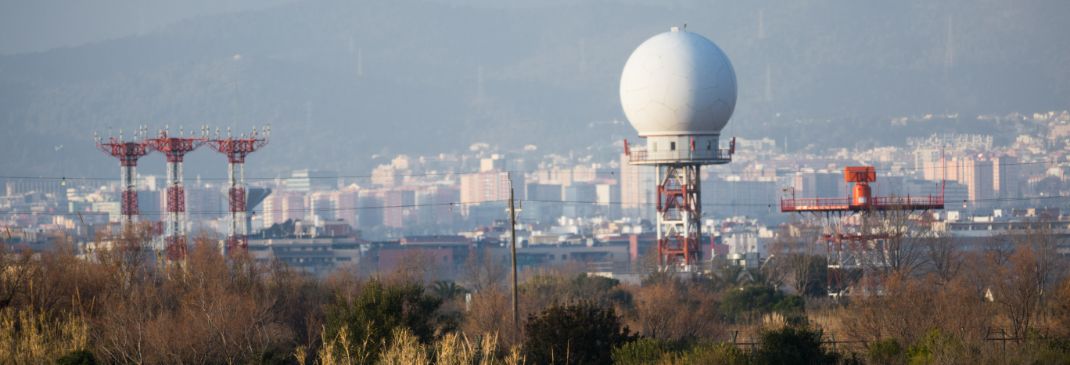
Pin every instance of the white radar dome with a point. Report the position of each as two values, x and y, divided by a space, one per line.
678 83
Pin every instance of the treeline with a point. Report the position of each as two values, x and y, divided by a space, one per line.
1005 304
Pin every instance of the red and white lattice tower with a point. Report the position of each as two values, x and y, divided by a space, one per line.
175 150
853 248
678 90
236 149
128 153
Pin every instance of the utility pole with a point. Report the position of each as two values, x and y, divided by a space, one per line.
512 238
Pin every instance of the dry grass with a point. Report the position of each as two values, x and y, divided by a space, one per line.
27 337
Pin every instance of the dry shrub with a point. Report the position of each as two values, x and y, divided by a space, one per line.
491 312
29 337
909 309
202 310
673 310
1060 321
405 348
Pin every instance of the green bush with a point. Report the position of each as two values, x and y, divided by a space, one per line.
712 354
582 333
755 300
80 357
886 352
378 311
641 352
793 345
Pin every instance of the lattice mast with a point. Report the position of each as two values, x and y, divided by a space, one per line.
236 150
848 252
128 153
175 150
678 90
679 193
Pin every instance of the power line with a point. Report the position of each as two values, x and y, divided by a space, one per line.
83 178
294 210
454 173
777 203
462 204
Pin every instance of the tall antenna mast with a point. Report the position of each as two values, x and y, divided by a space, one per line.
128 153
175 149
236 149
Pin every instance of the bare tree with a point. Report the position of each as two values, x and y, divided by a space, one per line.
899 251
1019 283
943 256
483 271
673 310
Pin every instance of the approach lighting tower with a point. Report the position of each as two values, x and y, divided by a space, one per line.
236 149
128 153
678 90
860 227
176 148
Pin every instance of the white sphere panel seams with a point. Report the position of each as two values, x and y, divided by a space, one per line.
678 83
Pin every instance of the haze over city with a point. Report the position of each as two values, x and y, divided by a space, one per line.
626 182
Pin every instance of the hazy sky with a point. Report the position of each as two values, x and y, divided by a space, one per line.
361 78
37 25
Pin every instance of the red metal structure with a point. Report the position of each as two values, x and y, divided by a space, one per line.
847 249
175 149
236 149
128 153
679 199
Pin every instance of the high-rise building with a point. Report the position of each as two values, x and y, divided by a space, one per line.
370 203
485 186
636 189
819 184
282 206
1006 176
580 200
322 207
543 202
436 206
306 180
385 176
977 176
608 197
495 162
399 206
345 202
732 196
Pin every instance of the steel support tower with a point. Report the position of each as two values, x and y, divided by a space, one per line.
128 153
236 149
852 249
679 196
175 149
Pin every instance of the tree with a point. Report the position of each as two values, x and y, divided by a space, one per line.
673 310
447 289
1019 284
749 302
794 262
482 271
380 309
582 333
1061 309
944 257
793 345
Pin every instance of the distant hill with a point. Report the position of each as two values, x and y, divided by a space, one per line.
340 81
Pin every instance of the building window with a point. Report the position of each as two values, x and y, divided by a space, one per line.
709 145
672 146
